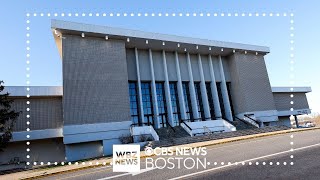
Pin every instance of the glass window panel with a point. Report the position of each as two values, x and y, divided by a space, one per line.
161 103
174 102
210 99
221 100
199 100
147 102
134 102
187 99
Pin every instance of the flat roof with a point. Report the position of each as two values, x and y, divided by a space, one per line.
58 90
291 89
155 40
34 90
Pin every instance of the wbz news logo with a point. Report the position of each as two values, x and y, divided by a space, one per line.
126 158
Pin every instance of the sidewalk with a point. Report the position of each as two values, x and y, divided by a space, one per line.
50 170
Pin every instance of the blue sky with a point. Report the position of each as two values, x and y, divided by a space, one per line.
45 66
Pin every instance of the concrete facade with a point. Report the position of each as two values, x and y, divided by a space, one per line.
250 92
282 99
44 150
94 96
115 80
45 112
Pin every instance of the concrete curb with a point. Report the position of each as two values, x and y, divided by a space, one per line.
38 173
64 171
240 138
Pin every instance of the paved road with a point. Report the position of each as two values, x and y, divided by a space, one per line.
306 166
223 158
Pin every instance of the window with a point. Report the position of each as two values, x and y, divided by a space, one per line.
162 108
134 108
199 100
230 97
187 100
210 99
175 102
147 102
221 100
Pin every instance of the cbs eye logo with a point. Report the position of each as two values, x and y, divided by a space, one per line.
148 151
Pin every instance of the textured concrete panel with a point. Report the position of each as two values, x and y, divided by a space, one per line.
131 65
95 81
171 66
94 136
225 63
48 150
87 150
283 121
108 145
158 65
282 101
144 65
183 67
195 67
251 90
94 132
216 69
206 68
45 113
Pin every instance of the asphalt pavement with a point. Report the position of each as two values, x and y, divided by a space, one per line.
306 165
268 157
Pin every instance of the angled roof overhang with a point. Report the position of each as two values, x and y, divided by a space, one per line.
154 41
23 91
291 89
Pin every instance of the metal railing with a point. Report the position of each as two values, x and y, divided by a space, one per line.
249 121
252 121
183 122
246 122
248 116
208 130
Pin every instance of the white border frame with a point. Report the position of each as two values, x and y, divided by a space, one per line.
29 15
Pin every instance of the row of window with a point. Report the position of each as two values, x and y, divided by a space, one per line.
175 103
162 105
162 108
